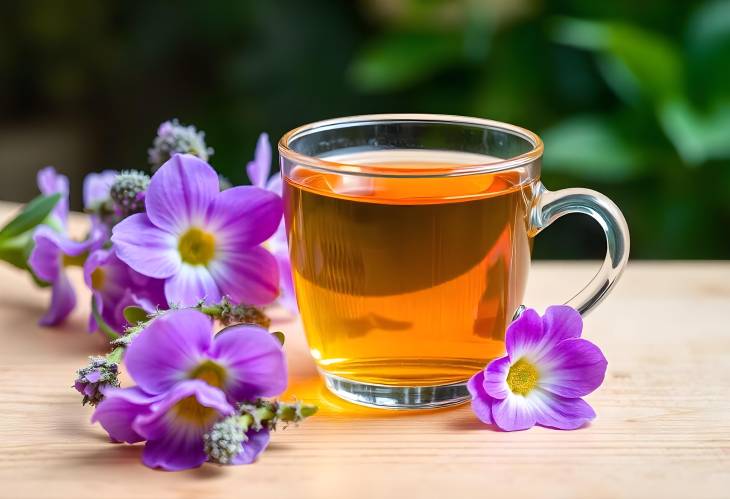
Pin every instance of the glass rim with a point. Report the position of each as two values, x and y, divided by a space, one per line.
285 149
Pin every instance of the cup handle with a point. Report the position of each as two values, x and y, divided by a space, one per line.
549 206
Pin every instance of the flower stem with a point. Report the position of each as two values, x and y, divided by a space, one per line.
228 313
258 417
105 328
268 413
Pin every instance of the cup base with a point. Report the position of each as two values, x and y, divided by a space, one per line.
397 397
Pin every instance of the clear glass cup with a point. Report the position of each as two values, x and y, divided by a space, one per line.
410 238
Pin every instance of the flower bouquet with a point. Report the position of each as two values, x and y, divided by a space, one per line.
167 258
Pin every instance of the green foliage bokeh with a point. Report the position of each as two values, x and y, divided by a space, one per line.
631 98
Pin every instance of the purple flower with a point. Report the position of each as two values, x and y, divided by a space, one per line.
97 187
173 423
54 250
50 182
246 362
52 253
186 380
258 172
115 286
541 380
202 242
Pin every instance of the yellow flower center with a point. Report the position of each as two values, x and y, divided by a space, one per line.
192 412
196 247
74 261
211 372
522 377
98 278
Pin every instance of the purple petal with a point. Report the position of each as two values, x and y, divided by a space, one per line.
574 368
495 378
63 301
559 412
115 291
45 259
175 439
243 216
258 169
250 276
93 376
513 413
131 299
559 322
117 412
97 187
50 246
152 296
287 296
255 445
562 322
481 402
191 284
523 335
46 262
275 185
254 361
50 182
115 271
98 235
180 193
166 350
95 260
147 249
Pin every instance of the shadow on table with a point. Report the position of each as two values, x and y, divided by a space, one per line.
122 455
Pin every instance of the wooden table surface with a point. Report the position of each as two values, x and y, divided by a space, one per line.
663 426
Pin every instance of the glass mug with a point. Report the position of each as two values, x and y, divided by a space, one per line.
410 238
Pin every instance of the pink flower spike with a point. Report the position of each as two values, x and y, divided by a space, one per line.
541 380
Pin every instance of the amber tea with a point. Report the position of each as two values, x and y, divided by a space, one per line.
403 280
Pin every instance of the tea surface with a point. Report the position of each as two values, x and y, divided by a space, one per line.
407 281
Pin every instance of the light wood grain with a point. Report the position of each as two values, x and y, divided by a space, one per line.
663 428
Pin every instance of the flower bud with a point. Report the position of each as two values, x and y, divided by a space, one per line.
225 440
128 192
92 380
173 138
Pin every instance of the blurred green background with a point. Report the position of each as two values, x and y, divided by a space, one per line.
632 98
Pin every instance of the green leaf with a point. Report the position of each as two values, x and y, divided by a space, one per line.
709 26
134 315
16 250
590 148
637 61
32 214
116 355
697 136
645 65
398 60
708 46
